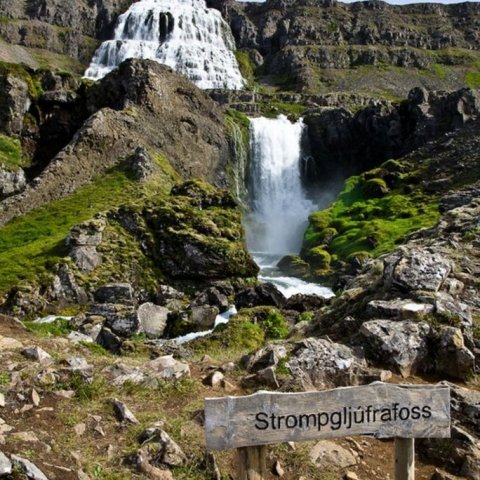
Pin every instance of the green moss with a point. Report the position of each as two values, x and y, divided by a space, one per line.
10 153
305 316
367 224
17 70
57 328
439 70
318 258
274 108
375 187
275 325
472 79
247 68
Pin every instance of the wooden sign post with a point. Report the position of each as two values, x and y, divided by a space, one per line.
403 412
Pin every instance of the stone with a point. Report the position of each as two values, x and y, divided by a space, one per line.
11 183
37 354
108 340
35 398
152 319
351 476
169 452
453 358
214 379
304 303
5 465
166 293
141 164
212 296
267 377
123 413
277 469
416 269
2 400
28 468
167 367
328 455
142 461
79 429
203 317
449 307
264 294
78 337
402 346
65 288
27 437
268 356
325 364
7 343
86 258
116 293
400 309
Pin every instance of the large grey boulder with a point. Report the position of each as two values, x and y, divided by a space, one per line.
264 294
167 368
5 465
322 363
453 358
268 356
65 289
328 455
152 319
14 104
402 346
28 468
416 269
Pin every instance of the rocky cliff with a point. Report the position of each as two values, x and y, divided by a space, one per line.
365 46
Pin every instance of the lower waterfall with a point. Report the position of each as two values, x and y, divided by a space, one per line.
279 203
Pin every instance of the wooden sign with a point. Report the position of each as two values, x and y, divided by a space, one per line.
379 409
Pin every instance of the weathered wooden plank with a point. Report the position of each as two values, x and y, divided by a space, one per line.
252 463
382 410
404 459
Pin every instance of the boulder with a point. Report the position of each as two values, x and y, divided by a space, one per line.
203 317
109 341
119 293
328 455
168 368
166 451
399 309
264 358
141 164
453 309
152 319
452 358
121 319
11 183
5 465
212 296
416 269
15 103
264 294
321 363
402 346
65 288
304 303
122 412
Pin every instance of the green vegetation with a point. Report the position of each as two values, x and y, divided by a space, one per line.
472 79
57 328
17 70
275 325
247 68
10 153
33 243
276 107
368 218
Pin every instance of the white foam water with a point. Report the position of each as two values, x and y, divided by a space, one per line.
280 206
184 34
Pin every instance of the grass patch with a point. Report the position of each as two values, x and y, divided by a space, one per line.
58 328
19 71
33 243
247 68
10 153
472 79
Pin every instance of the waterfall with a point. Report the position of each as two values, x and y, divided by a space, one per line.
184 34
279 203
280 207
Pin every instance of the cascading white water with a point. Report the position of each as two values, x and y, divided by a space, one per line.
280 206
184 34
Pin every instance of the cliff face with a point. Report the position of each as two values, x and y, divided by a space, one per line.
365 46
40 32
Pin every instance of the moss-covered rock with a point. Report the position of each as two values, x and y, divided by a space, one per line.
197 234
375 187
294 265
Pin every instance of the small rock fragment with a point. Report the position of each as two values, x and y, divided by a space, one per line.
79 429
37 354
351 476
214 379
122 412
2 400
35 398
278 470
